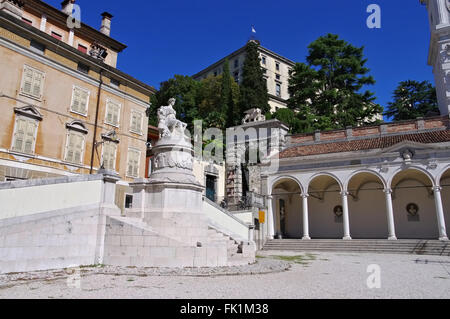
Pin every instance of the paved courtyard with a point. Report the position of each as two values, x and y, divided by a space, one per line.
311 275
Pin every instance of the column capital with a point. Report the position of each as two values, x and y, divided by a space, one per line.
388 191
437 189
345 193
304 195
269 197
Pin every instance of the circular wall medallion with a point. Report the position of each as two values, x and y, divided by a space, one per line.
412 209
338 211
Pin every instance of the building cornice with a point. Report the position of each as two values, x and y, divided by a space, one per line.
19 27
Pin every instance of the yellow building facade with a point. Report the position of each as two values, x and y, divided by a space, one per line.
66 109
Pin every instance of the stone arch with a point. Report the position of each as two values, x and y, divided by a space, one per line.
280 179
286 207
368 171
411 168
325 198
442 174
321 174
413 203
367 205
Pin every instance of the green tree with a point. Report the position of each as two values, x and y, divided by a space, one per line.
216 98
253 88
186 92
326 91
228 96
413 99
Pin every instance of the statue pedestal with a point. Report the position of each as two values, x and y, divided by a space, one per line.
170 201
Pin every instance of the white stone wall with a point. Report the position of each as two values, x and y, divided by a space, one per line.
368 216
427 227
53 240
16 202
321 215
199 173
226 223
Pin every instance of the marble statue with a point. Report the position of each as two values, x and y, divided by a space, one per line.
253 115
168 125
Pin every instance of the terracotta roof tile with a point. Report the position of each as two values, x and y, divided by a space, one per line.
365 144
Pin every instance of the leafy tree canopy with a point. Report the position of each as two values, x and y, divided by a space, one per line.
413 99
195 100
326 91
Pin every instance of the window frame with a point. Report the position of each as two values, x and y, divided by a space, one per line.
22 85
140 132
13 140
107 142
263 60
130 150
87 102
276 87
83 146
108 101
277 66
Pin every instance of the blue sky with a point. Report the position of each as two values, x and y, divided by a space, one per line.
184 36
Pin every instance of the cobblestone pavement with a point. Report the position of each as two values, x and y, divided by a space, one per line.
310 275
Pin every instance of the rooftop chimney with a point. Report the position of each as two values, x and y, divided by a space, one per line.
67 6
106 23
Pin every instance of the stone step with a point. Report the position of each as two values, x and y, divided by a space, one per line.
425 247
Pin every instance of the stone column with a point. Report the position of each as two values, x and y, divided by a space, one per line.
305 217
346 218
270 219
43 25
71 37
440 213
390 214
110 179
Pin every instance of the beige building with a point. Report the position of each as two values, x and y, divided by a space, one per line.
276 73
66 108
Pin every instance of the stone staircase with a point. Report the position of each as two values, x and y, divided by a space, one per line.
419 247
237 254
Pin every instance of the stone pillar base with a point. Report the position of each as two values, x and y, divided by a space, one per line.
392 238
306 238
443 239
347 238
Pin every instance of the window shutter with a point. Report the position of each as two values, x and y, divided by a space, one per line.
112 156
37 84
109 154
135 164
29 136
78 148
27 80
115 114
20 135
76 100
83 101
70 147
138 118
